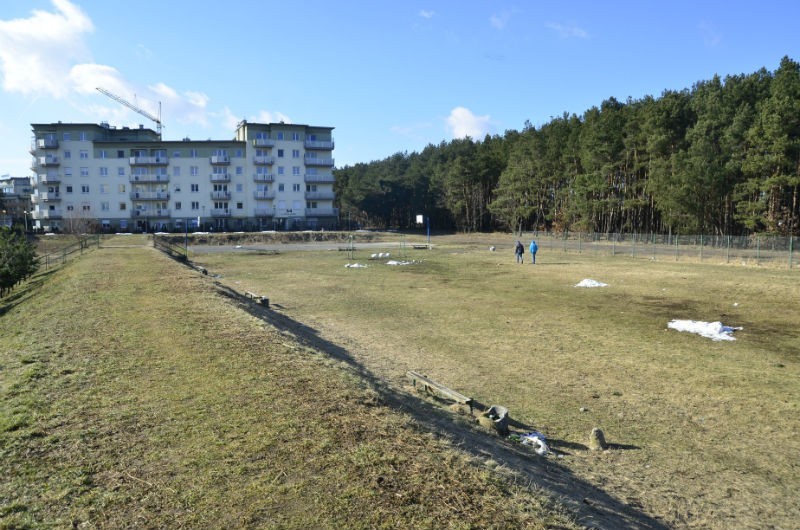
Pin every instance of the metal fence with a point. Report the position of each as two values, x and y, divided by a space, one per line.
764 250
59 257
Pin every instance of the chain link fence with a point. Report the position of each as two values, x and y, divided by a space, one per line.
753 250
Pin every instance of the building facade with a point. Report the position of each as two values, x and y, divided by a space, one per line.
270 176
15 201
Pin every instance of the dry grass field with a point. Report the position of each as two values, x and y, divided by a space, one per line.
702 434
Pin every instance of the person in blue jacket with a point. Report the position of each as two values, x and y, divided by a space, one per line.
533 248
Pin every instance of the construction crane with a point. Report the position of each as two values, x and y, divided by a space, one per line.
134 108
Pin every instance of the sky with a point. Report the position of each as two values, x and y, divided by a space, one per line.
388 76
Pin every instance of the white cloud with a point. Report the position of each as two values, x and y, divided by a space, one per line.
567 31
499 20
426 13
711 37
230 120
37 53
462 123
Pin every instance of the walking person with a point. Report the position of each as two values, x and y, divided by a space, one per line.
519 250
533 248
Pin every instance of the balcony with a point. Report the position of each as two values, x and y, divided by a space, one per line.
149 195
46 161
322 212
220 177
150 213
48 214
314 161
46 143
221 195
220 212
320 195
264 195
263 160
46 196
220 159
319 144
264 142
148 178
148 161
329 179
263 177
263 212
49 179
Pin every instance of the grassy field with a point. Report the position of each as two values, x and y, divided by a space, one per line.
703 434
134 395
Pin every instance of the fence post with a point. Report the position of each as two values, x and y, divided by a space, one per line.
728 251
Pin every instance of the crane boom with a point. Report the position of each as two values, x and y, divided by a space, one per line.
134 108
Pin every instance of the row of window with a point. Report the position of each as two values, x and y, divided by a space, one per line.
260 135
195 188
195 206
193 171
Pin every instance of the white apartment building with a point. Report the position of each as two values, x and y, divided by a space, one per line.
270 176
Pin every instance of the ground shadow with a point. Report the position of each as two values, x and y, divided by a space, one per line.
593 507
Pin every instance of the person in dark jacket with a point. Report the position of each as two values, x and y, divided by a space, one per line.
519 250
533 248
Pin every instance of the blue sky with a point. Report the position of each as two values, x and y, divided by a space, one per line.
389 76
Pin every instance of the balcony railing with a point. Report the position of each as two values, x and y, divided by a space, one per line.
49 179
263 212
45 161
322 212
46 143
320 195
46 196
264 195
220 177
220 212
319 144
263 160
319 178
48 214
263 177
148 178
151 213
221 195
220 159
314 161
149 195
148 161
263 142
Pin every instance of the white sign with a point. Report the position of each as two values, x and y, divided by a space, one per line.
420 219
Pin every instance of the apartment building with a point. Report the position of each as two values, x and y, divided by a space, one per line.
270 176
15 200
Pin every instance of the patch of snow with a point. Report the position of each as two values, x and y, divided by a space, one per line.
355 266
710 330
590 283
395 262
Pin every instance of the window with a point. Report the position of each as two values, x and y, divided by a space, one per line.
194 171
239 205
69 207
238 153
312 137
195 187
84 189
67 171
311 187
176 154
122 206
121 171
295 187
261 135
103 171
280 170
295 170
176 171
84 154
121 188
177 205
86 208
102 153
193 153
120 153
103 188
67 153
280 136
295 153
280 153
239 170
280 187
239 187
177 188
219 205
311 171
69 189
104 206
195 205
84 171
296 136
83 136
311 205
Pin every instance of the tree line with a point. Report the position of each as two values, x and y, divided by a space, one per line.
17 259
720 158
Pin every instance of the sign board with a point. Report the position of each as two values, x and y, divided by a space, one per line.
420 219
